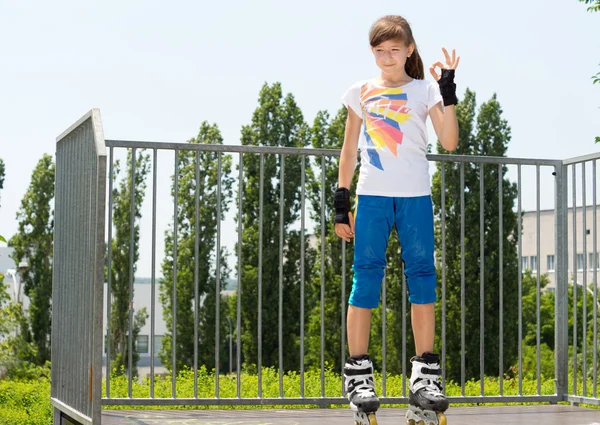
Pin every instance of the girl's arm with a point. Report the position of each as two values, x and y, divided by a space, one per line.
446 125
346 171
444 120
349 150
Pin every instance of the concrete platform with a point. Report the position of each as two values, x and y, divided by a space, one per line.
539 415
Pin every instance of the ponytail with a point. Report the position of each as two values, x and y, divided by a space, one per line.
414 66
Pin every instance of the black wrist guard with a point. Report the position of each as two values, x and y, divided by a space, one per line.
342 205
447 87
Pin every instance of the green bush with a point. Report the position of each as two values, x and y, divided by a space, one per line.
25 402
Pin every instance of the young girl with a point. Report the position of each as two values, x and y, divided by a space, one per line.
387 119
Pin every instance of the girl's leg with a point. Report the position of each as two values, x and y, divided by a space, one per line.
359 326
374 221
423 324
414 221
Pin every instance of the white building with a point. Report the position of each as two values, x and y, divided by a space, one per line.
142 297
547 245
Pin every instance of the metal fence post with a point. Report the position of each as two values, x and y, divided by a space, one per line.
561 300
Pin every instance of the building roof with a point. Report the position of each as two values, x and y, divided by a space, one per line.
551 210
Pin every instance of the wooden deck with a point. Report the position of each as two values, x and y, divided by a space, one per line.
539 415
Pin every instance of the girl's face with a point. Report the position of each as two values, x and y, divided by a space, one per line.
391 56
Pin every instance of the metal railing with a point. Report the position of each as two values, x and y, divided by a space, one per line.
582 334
567 384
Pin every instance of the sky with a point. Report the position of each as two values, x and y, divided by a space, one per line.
158 69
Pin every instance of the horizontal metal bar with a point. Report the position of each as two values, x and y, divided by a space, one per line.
318 400
222 401
583 158
583 400
317 152
476 159
222 148
72 413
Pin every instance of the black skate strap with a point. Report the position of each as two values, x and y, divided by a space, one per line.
356 372
427 371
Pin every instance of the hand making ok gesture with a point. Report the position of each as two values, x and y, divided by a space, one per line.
451 63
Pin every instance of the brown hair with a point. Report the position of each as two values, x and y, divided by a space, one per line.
394 27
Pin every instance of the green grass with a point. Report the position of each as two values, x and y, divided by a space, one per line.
28 402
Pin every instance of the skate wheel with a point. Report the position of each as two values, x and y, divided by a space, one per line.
441 419
372 419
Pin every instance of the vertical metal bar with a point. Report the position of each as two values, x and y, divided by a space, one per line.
239 297
343 318
281 230
174 324
404 312
260 255
323 224
383 334
574 219
462 278
501 275
218 281
538 274
108 286
61 270
584 279
79 270
76 271
131 261
79 358
196 272
97 259
481 280
302 282
520 279
595 268
443 213
561 324
153 272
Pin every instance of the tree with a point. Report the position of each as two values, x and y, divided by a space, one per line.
529 329
594 5
547 323
187 192
120 266
34 243
277 121
10 318
529 310
585 325
489 135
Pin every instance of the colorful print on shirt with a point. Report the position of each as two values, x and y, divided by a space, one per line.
384 112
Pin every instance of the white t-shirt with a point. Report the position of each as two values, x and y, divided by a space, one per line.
393 137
